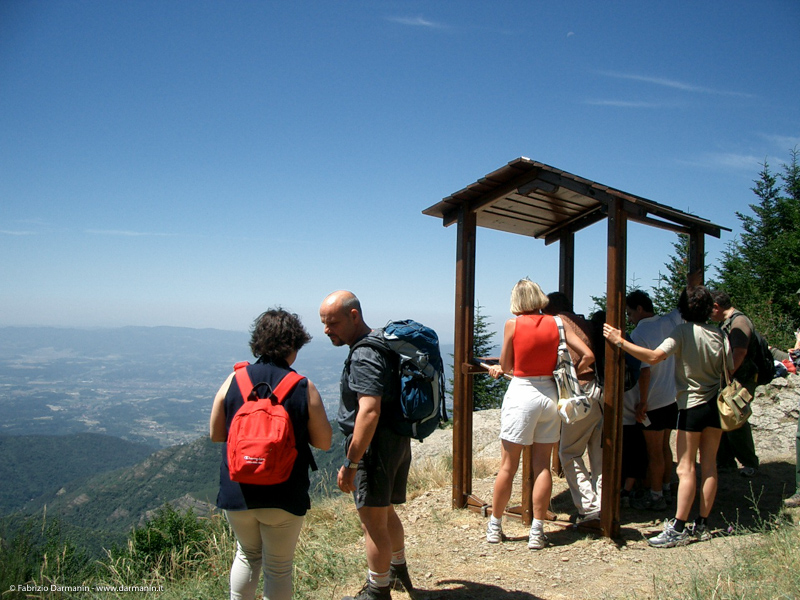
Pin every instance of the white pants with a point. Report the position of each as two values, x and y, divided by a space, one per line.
266 539
577 439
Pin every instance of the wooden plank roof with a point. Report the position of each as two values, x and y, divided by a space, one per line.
534 199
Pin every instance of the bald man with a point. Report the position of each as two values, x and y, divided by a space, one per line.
377 460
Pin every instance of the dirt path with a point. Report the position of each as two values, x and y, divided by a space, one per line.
451 560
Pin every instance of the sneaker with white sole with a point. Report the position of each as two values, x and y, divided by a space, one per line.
588 518
536 540
701 533
494 532
669 538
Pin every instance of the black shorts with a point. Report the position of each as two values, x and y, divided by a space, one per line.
663 418
699 417
382 474
634 452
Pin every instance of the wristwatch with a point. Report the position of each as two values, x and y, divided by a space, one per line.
619 343
348 464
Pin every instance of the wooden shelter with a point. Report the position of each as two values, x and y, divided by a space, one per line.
533 199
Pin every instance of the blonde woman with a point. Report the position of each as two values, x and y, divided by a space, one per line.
529 415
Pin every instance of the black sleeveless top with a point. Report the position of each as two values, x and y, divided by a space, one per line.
292 494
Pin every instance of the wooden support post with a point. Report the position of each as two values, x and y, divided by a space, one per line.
462 381
697 253
614 374
566 265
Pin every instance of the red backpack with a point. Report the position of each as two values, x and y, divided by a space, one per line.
261 444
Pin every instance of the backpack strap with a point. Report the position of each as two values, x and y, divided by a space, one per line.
283 389
243 379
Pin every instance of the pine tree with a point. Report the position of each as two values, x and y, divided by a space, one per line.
759 268
670 285
486 391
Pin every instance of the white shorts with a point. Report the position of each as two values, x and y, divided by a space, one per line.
530 413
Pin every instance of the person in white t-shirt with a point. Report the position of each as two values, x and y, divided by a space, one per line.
656 406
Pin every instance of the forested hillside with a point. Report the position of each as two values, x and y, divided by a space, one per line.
33 464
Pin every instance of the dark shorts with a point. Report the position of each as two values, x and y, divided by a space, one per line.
698 418
383 472
663 418
634 452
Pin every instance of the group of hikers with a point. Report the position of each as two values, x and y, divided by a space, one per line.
674 366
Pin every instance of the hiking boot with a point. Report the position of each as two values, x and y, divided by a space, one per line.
644 500
370 591
536 540
401 579
792 501
494 533
699 532
658 502
669 538
640 499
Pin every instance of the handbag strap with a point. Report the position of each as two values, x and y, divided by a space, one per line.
562 336
725 362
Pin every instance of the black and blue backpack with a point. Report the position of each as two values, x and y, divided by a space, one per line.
415 350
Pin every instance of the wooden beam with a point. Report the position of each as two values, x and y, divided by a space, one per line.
614 375
570 226
482 201
462 354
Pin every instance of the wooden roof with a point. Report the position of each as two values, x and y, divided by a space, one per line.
534 199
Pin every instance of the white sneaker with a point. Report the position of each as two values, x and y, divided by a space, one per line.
536 540
494 532
587 518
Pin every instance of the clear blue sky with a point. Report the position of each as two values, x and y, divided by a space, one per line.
192 163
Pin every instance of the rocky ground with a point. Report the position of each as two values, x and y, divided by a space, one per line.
451 560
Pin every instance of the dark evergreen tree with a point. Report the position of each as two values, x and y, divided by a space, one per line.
486 392
670 284
759 268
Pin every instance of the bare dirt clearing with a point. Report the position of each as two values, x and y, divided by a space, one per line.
450 559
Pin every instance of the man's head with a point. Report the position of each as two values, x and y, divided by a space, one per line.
722 304
638 306
340 313
558 303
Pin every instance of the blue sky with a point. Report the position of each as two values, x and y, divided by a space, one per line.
192 163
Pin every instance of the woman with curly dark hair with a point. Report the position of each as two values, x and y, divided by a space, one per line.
701 353
266 519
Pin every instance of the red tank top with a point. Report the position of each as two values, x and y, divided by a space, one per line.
535 346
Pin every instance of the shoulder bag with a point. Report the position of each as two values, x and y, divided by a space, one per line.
733 400
573 405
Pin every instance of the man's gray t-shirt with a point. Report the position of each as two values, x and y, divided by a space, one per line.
369 373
